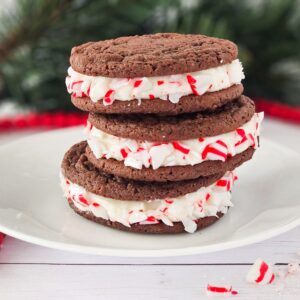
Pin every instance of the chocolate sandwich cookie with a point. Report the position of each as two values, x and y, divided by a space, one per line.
187 104
173 173
77 168
168 125
171 128
159 228
152 55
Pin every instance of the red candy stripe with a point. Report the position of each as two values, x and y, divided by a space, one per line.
124 153
241 132
159 144
221 143
243 140
228 185
107 97
180 148
191 80
88 91
222 182
137 83
160 82
272 278
75 83
207 196
169 201
164 210
209 149
262 272
83 200
220 289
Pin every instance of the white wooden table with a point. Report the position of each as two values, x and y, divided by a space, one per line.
33 272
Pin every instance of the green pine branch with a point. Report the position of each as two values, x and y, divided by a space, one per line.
36 39
28 23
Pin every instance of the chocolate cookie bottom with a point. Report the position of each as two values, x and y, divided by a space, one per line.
187 104
159 228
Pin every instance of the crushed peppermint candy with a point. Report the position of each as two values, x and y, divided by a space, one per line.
260 273
212 290
139 154
188 209
170 87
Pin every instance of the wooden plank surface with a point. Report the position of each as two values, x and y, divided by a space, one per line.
281 249
61 282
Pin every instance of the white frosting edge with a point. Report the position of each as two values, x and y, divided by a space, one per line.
171 87
207 201
139 154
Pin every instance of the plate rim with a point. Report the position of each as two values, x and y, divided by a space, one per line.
144 253
166 252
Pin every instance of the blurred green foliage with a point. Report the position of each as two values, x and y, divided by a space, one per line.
36 37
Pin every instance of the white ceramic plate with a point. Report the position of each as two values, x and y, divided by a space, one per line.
32 207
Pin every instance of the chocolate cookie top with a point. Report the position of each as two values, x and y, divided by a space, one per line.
159 228
172 128
152 55
174 173
78 169
187 104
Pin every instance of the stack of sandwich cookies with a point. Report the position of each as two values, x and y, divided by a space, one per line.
168 125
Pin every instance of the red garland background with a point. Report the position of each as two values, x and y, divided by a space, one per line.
67 119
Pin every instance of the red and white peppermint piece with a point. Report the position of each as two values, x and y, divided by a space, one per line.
88 91
215 151
108 97
225 183
169 201
75 88
83 200
123 152
159 154
137 83
212 290
179 147
260 273
149 220
192 82
76 83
